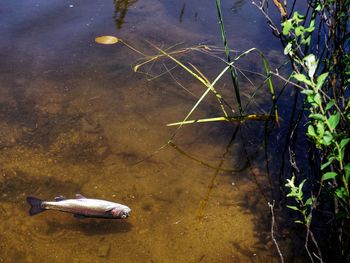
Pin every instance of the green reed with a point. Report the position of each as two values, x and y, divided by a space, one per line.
233 72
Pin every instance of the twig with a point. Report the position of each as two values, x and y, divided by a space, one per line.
272 231
267 17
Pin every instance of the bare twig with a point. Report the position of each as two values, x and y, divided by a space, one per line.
272 230
271 24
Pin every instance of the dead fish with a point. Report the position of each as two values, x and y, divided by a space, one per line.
81 207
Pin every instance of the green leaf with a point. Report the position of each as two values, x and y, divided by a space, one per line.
327 138
326 164
290 182
297 17
316 116
311 64
299 222
311 131
340 193
300 190
306 41
292 193
302 78
334 120
293 208
344 142
320 128
288 48
287 26
299 31
318 99
347 172
319 8
307 91
309 201
329 105
311 27
321 79
328 176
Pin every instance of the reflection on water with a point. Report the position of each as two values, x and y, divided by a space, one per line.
120 10
237 5
74 118
182 12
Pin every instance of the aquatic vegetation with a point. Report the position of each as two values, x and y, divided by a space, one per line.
227 110
317 45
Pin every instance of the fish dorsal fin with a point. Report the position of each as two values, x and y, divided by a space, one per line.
79 196
59 198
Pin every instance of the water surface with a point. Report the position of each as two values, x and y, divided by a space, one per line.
75 118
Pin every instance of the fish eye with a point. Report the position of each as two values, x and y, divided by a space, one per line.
125 214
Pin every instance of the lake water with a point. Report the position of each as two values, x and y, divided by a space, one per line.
75 118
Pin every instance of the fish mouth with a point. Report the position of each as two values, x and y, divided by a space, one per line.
126 214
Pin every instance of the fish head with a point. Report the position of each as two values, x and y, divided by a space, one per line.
121 212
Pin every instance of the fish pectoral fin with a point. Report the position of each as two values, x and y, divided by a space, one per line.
79 196
59 198
79 216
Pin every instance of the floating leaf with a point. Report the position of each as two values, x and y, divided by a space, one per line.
329 175
107 40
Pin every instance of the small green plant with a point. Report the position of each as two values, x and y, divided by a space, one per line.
324 112
305 208
318 46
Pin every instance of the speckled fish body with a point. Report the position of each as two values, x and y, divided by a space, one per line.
81 207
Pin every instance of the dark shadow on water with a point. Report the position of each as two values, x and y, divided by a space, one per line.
15 187
90 227
70 136
237 5
120 10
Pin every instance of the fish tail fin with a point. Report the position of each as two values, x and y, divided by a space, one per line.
36 205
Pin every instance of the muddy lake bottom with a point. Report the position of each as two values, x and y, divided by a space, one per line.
75 118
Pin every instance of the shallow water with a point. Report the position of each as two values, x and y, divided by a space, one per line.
75 118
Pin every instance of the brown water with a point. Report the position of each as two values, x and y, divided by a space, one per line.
75 118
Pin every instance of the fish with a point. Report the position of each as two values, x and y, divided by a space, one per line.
80 207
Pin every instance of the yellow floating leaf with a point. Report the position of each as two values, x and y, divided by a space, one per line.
106 40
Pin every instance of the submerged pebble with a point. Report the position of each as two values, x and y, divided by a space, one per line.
103 250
